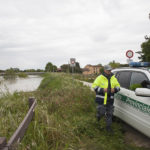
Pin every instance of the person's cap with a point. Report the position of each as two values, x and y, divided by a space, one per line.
107 67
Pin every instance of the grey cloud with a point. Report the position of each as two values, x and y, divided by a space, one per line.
57 30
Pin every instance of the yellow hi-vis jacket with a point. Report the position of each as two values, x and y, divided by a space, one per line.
101 82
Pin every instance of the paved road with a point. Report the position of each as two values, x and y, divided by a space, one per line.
131 134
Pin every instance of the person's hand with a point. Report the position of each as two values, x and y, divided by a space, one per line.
112 90
105 90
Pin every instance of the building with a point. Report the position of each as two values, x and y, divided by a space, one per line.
91 69
58 70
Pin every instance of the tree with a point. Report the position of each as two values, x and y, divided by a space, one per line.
145 53
124 65
30 70
68 68
54 68
10 74
77 68
49 67
99 65
114 64
40 70
102 69
65 68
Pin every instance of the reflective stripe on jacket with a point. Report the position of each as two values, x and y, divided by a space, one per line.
101 82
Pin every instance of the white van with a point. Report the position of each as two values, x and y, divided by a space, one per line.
132 102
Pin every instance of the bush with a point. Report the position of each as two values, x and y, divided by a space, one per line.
10 74
22 75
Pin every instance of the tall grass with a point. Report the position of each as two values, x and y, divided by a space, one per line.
88 78
12 110
64 118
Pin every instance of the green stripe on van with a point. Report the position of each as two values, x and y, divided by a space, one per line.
134 103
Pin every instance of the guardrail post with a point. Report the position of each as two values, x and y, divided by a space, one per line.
3 142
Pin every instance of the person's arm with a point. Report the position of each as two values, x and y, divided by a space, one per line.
96 86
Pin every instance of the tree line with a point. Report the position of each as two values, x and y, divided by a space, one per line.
145 51
144 57
63 68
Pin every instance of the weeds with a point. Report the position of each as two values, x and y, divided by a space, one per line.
64 118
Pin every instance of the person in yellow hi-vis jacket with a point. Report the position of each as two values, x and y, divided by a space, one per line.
105 85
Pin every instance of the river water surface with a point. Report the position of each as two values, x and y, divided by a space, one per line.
30 83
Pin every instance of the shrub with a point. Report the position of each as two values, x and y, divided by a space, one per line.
22 75
10 74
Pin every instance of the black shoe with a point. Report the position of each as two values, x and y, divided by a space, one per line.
109 129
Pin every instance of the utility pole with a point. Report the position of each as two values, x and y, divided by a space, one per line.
147 37
72 64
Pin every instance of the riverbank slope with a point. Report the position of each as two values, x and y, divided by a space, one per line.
64 118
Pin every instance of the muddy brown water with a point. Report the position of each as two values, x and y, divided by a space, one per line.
30 83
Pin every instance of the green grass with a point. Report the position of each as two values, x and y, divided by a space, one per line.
12 110
87 78
64 118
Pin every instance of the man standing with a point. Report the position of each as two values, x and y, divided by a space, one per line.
105 85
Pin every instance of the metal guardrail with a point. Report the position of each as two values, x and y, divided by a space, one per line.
19 133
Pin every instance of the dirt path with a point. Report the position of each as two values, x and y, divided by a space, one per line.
133 136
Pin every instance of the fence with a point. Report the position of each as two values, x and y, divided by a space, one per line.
19 133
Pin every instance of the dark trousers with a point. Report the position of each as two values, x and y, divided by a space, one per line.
105 110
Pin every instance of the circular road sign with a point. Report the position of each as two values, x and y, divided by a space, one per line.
129 53
72 62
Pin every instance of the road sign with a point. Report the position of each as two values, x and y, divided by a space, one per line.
129 60
72 62
129 53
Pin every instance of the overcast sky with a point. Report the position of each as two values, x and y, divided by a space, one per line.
34 32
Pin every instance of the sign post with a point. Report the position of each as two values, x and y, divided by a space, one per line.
72 64
129 54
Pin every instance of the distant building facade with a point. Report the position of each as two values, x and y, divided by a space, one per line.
91 69
58 70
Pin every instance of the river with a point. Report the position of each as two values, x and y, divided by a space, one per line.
30 83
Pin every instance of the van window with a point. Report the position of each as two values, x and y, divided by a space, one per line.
124 78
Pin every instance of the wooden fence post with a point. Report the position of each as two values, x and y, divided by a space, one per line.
3 142
20 131
31 101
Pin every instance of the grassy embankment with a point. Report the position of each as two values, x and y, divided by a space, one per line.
87 78
64 118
